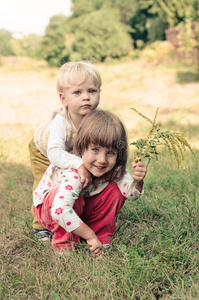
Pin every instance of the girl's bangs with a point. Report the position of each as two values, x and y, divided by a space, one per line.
106 135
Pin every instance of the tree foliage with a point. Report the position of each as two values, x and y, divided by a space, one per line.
102 29
179 11
101 39
53 43
29 45
5 43
82 7
135 13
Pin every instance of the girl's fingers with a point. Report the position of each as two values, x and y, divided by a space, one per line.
97 252
134 164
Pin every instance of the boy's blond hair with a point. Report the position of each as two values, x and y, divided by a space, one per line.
71 71
103 128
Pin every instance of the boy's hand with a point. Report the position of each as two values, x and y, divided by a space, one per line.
85 176
95 246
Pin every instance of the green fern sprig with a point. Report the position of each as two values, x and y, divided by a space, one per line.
175 143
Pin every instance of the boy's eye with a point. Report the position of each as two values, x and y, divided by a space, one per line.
92 91
77 92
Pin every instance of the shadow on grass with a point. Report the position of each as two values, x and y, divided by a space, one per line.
16 193
187 77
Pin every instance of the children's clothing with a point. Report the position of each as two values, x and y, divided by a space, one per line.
60 190
42 235
98 212
55 137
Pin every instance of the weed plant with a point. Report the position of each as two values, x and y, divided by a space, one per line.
175 143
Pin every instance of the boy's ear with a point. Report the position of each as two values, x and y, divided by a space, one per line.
63 99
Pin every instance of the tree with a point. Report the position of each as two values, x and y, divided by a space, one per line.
126 9
147 22
5 43
100 35
29 46
179 11
53 44
82 7
155 29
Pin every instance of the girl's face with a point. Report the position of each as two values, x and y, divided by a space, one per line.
99 160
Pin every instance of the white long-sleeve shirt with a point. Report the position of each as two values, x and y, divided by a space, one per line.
56 150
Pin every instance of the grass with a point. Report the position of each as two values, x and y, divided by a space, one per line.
154 254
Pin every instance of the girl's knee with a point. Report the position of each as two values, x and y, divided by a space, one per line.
114 191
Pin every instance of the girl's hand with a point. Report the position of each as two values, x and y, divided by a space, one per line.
85 176
139 172
92 240
95 246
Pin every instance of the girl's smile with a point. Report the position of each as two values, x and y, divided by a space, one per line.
99 160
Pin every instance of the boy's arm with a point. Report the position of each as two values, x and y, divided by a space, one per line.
56 151
58 155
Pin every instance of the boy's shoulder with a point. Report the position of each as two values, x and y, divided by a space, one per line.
42 132
61 111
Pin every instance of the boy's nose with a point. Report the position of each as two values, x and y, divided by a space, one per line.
86 96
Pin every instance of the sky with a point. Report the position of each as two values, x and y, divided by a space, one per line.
30 16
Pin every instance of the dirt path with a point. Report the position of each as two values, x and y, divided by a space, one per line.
27 98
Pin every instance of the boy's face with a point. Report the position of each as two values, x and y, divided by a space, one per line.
99 160
81 98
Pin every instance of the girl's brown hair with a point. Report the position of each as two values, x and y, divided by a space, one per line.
103 128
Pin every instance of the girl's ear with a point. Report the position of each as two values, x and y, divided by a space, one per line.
63 99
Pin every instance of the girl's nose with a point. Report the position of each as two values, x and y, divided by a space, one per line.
102 158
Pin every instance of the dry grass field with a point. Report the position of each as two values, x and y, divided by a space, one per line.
28 94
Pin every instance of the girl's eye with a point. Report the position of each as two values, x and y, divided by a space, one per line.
111 153
95 150
77 92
